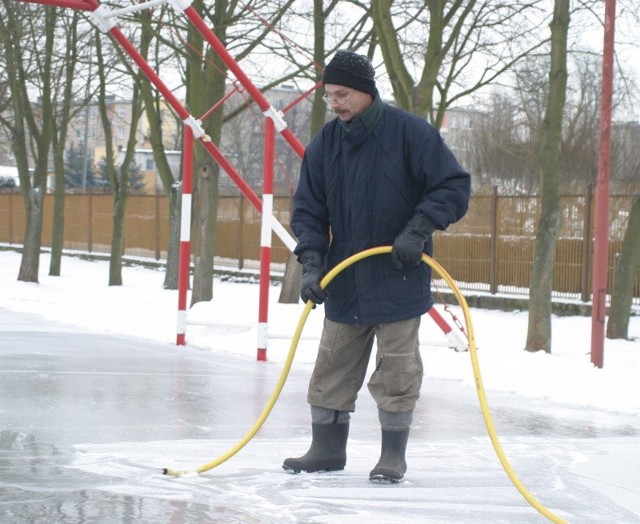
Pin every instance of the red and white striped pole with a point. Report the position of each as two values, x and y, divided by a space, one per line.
265 237
185 234
455 339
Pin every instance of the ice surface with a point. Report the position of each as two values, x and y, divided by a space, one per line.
95 400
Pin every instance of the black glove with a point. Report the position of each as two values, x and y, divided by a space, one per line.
408 245
312 268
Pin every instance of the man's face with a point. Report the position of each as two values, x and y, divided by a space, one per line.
346 102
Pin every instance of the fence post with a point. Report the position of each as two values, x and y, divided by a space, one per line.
90 222
157 242
586 244
11 218
493 262
241 234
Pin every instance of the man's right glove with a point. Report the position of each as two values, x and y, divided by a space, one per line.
312 268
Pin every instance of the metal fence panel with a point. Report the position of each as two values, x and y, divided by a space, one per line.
491 249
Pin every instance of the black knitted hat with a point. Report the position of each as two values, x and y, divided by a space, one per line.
351 70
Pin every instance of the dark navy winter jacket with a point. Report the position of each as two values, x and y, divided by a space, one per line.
358 191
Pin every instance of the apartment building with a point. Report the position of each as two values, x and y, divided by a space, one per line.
458 128
242 139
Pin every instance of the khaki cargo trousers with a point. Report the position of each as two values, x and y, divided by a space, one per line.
343 358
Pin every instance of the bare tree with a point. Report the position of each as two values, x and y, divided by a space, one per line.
118 175
579 151
507 135
247 34
626 271
293 271
541 286
206 84
206 77
504 147
155 113
67 49
25 30
460 36
625 154
290 291
579 126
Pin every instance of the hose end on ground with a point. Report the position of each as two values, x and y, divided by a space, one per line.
178 472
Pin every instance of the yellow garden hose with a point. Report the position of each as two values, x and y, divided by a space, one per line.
474 362
265 412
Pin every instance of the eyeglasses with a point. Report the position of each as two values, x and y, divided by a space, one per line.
337 99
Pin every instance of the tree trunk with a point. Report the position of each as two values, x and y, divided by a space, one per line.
205 225
28 271
59 139
121 188
57 236
290 290
418 97
626 271
117 237
115 260
205 87
292 281
539 328
153 108
401 81
119 178
30 261
174 195
33 188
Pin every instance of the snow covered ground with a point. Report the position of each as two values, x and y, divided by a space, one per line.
142 308
96 399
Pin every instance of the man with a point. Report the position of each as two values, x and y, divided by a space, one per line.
374 176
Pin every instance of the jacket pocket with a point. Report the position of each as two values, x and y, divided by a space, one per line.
404 288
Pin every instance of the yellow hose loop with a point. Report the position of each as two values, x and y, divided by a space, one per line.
265 412
474 362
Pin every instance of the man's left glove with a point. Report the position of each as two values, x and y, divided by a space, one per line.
408 245
312 268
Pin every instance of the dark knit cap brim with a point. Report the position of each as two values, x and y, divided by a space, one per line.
351 70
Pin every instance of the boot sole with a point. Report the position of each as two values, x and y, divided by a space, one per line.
383 479
294 471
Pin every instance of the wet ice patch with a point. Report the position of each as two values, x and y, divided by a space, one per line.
445 479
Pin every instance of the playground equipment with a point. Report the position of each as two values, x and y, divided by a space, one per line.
105 20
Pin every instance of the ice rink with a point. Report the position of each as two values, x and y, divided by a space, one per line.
88 421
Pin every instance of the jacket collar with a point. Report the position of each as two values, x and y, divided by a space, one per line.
369 119
359 127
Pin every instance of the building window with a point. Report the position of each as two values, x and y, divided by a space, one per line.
149 164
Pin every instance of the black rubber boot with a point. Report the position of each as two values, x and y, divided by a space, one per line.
328 451
392 464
